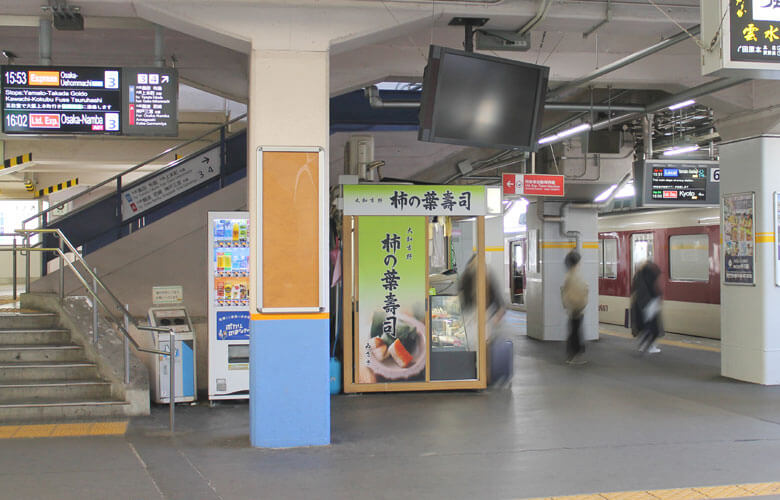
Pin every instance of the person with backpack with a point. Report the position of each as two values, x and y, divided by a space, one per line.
646 307
574 296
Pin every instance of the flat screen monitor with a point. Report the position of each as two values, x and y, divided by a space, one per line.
677 183
478 100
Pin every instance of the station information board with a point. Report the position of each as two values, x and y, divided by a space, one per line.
677 182
43 100
89 100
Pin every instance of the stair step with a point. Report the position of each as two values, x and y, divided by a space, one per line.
28 320
15 336
36 370
63 409
41 352
51 390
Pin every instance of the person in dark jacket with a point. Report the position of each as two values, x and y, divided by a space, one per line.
646 307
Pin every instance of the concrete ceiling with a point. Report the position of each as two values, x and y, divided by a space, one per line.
375 40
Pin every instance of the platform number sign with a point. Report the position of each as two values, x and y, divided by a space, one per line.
715 175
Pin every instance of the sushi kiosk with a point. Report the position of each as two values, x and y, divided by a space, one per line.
228 285
404 247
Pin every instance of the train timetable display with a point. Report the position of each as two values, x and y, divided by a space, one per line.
63 100
678 183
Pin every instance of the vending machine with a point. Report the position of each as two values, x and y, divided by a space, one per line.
228 285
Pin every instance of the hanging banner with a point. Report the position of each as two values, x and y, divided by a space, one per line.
738 239
375 199
533 184
391 285
151 192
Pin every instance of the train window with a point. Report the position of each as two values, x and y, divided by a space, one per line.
608 258
689 257
641 250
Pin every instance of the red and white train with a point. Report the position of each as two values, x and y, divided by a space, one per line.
685 243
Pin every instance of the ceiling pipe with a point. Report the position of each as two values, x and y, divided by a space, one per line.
375 101
636 56
44 41
543 8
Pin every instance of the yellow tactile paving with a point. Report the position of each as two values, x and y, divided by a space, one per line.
629 495
761 489
676 343
63 430
733 491
678 494
725 491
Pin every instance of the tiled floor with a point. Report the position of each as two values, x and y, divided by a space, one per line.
621 423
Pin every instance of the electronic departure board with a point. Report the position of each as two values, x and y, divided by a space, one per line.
677 182
89 100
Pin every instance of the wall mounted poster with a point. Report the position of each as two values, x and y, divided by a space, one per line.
392 336
739 239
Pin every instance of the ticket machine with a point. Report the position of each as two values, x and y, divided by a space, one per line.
177 318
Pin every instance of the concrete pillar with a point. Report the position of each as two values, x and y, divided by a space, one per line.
749 315
494 253
289 374
547 320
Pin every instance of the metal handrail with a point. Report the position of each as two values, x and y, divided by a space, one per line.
127 317
132 169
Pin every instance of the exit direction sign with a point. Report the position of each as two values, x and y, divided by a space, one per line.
533 184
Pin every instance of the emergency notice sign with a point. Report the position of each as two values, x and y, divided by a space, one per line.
533 184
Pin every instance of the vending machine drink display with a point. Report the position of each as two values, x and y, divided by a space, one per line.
228 285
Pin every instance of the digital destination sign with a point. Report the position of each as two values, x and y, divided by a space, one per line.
61 100
89 100
677 183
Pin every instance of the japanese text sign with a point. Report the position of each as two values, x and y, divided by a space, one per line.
533 184
373 199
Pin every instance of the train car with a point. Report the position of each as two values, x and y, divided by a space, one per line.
685 243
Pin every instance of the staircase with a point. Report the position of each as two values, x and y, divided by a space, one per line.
45 376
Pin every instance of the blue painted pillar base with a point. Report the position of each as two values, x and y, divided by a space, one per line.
289 387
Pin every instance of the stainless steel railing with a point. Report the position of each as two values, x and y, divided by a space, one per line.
97 285
41 216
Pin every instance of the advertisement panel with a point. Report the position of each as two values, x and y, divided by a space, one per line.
391 320
738 239
372 199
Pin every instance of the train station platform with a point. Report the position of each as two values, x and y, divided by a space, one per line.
621 426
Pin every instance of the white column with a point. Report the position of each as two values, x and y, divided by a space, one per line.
750 315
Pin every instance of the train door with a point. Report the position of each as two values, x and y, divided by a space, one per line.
517 270
641 250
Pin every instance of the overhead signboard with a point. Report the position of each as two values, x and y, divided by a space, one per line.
375 199
68 100
89 100
150 102
533 184
745 36
677 183
149 193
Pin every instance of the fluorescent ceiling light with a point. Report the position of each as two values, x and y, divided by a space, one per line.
627 191
574 130
682 104
681 150
582 127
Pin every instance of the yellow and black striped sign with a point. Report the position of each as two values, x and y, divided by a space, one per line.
12 162
58 187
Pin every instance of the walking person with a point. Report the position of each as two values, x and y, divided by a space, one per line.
574 296
646 307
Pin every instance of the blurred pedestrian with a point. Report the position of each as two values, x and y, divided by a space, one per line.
646 307
574 296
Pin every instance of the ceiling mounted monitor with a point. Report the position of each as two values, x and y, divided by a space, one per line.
477 100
